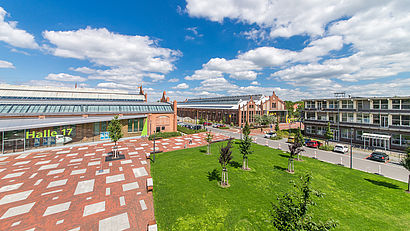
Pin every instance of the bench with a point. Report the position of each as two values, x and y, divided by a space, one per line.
152 226
150 184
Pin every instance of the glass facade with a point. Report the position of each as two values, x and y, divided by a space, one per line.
28 139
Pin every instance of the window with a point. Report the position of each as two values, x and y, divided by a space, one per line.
332 117
396 104
405 104
96 128
384 104
396 120
376 119
359 118
321 116
360 105
135 125
350 117
310 116
405 120
395 139
376 104
333 104
366 118
129 125
344 117
273 105
347 104
141 124
345 133
310 104
321 130
309 129
359 134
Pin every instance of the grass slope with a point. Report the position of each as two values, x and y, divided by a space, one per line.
187 197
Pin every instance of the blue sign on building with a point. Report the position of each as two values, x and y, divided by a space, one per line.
104 135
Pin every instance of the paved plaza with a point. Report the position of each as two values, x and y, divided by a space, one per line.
64 189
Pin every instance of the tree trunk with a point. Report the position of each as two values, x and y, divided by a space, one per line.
244 163
289 165
208 150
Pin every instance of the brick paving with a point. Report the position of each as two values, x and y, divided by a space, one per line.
63 189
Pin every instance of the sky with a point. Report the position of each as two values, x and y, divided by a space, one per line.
299 49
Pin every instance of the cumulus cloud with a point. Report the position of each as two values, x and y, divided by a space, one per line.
123 57
5 64
255 83
174 80
181 86
65 77
9 33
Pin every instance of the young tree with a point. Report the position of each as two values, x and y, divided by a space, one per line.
245 146
208 139
277 125
328 134
406 164
292 210
294 150
258 120
299 141
224 158
114 128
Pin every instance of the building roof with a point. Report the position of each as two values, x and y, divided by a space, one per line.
224 102
64 93
20 124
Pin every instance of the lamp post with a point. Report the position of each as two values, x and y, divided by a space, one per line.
153 151
351 147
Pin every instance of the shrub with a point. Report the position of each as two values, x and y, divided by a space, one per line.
223 127
327 147
164 135
189 131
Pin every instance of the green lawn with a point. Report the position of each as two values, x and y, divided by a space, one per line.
187 197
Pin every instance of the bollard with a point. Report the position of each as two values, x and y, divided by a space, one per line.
341 160
380 170
267 143
315 154
279 146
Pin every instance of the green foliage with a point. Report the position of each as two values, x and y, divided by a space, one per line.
277 126
181 177
265 119
246 142
406 164
223 128
292 210
189 131
299 138
329 133
327 147
114 128
209 137
225 155
201 121
164 135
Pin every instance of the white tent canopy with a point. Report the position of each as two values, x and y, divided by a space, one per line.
376 136
378 140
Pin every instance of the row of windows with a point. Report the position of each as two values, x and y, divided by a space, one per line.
59 98
19 109
361 104
135 125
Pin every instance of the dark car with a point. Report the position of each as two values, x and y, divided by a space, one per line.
313 144
306 140
378 156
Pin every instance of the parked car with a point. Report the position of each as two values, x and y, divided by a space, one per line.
379 156
270 135
291 139
340 148
207 124
306 140
313 144
215 125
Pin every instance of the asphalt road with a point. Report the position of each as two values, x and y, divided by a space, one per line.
390 170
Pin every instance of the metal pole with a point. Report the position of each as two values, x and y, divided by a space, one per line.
153 156
351 148
24 141
2 143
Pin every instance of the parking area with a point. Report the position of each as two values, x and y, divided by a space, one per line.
74 188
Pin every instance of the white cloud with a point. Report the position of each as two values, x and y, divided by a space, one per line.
216 85
65 77
181 86
84 70
174 80
5 64
13 36
122 57
112 85
255 83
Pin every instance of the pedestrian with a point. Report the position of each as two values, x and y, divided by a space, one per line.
190 141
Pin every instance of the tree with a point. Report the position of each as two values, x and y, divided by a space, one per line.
277 126
225 156
299 141
406 164
294 150
328 134
292 210
114 128
258 119
245 146
264 119
208 139
201 121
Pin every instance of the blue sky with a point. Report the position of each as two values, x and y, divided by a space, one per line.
194 48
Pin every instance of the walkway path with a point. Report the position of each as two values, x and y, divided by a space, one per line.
63 189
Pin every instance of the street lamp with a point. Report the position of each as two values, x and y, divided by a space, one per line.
153 151
351 147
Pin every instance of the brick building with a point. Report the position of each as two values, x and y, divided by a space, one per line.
233 109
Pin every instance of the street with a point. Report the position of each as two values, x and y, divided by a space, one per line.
390 170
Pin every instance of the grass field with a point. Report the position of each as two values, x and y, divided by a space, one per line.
187 196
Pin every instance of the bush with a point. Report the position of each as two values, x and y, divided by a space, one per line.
280 135
327 147
223 127
189 131
164 135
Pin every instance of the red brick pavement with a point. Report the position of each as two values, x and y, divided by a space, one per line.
24 179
